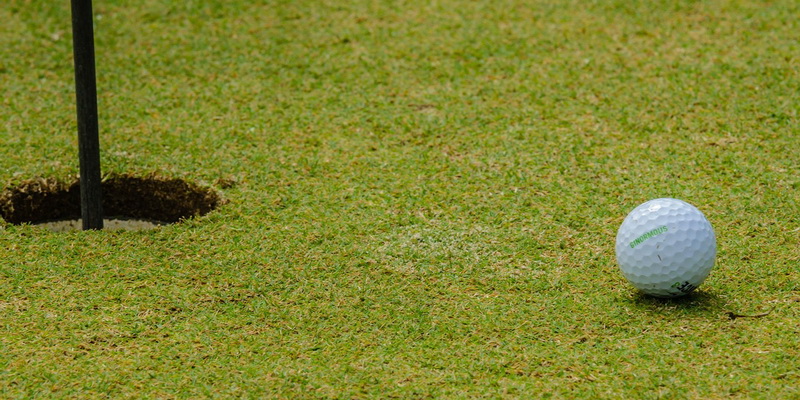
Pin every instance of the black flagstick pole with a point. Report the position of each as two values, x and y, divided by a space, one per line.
86 97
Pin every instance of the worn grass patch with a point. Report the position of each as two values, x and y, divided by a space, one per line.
423 199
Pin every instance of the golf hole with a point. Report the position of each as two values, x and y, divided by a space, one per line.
129 202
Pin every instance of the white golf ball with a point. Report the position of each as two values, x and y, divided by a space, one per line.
666 247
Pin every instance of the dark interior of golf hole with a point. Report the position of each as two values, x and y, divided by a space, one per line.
152 200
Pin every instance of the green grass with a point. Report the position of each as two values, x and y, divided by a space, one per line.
426 199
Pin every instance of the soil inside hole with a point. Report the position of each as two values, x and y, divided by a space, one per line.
155 199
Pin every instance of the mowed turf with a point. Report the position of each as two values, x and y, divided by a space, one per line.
424 199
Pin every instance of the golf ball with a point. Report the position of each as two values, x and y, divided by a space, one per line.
666 247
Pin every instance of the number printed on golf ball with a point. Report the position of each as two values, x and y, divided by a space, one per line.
666 247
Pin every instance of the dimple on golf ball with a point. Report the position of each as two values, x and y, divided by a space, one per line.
666 247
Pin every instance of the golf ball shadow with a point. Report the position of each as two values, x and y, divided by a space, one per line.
701 301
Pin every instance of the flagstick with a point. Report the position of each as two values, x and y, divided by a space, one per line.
86 98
